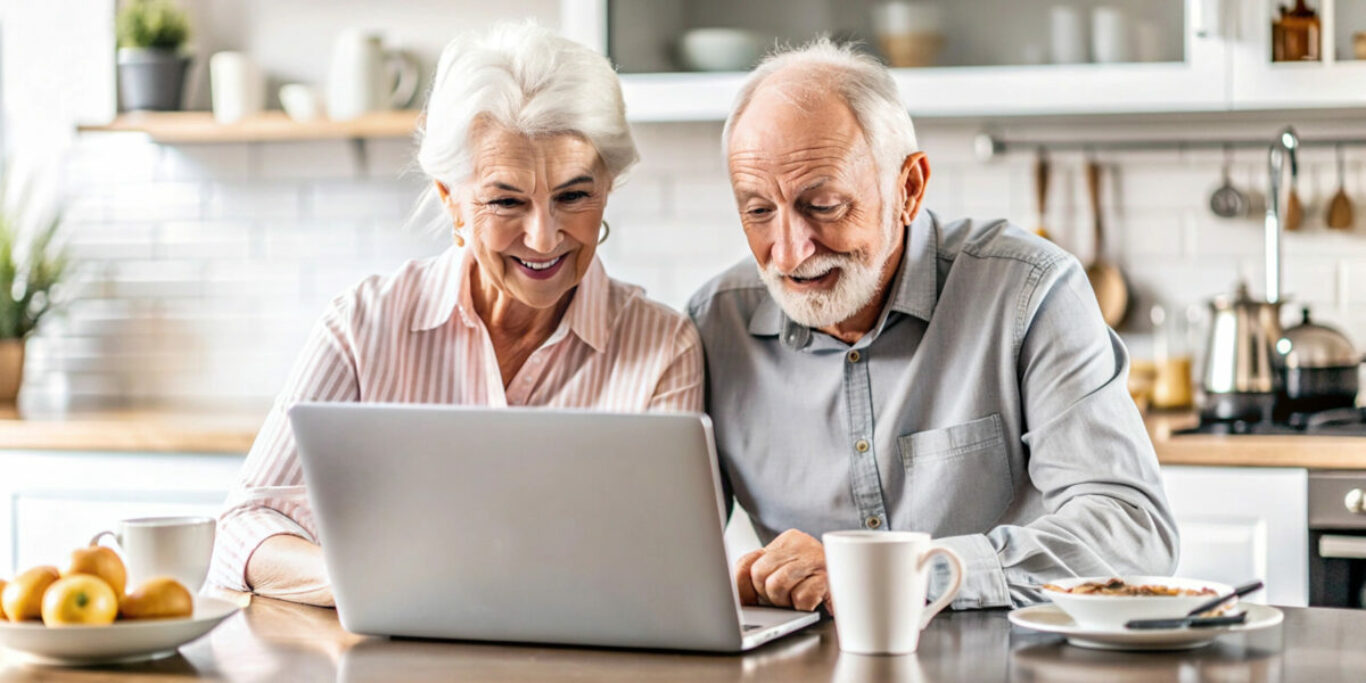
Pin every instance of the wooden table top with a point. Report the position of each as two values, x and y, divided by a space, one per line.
277 641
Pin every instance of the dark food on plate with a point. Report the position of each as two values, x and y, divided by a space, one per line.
1118 587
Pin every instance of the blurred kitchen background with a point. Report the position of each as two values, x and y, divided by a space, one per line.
205 250
204 241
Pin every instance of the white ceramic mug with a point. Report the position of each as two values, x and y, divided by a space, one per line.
237 87
878 582
1110 35
1067 35
364 77
178 547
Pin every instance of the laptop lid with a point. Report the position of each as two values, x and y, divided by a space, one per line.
516 524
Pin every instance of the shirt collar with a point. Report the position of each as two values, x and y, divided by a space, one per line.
445 292
915 287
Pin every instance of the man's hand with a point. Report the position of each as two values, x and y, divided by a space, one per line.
789 572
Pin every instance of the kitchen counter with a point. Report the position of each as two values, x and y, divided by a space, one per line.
143 430
278 641
233 430
1314 452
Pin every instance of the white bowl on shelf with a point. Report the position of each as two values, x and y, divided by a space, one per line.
720 49
1112 612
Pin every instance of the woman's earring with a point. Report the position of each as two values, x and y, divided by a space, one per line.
606 230
459 239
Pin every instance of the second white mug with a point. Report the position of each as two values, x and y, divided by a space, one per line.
878 582
178 547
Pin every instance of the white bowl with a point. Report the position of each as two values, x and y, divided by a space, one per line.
720 49
121 641
1111 612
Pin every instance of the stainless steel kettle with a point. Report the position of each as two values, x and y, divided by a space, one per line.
1243 366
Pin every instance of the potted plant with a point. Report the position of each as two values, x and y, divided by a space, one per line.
31 266
151 67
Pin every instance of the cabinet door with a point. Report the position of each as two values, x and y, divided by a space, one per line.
1332 81
1239 524
1176 60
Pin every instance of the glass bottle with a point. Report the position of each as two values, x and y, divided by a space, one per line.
1171 351
1295 34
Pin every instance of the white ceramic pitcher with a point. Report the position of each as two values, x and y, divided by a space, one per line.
365 78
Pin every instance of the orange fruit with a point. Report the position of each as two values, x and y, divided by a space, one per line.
79 599
160 598
101 561
22 598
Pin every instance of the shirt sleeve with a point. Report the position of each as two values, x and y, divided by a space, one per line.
1090 457
680 388
268 497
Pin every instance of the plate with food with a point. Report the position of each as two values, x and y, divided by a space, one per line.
1093 612
86 615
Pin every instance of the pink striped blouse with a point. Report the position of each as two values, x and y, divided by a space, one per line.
414 337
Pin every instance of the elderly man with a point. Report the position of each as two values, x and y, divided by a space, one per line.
884 368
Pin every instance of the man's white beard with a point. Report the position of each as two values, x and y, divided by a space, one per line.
855 286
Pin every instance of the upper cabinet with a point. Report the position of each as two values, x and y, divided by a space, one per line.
686 60
1317 60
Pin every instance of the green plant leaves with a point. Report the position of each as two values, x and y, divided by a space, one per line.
157 24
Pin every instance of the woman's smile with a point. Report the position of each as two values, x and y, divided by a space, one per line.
539 270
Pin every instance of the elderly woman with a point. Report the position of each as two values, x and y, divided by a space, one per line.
525 134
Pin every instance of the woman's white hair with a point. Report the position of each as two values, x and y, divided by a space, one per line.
863 83
524 77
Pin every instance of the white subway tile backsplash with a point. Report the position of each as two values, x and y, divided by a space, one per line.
179 200
307 160
206 266
268 200
219 162
362 199
207 240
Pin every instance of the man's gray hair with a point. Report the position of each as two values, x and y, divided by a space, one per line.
525 77
863 83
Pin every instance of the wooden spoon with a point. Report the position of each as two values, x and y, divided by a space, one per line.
1294 209
1340 208
1041 192
1112 294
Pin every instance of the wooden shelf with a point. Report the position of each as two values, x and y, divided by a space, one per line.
200 126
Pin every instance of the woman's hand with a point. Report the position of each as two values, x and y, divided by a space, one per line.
290 568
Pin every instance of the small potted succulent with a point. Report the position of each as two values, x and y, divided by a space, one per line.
31 266
151 34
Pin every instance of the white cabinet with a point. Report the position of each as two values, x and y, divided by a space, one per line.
1333 81
1244 523
54 501
1202 55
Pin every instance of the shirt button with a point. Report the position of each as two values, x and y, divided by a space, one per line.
872 522
854 356
861 445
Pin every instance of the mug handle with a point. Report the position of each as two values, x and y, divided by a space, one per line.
956 563
404 71
102 534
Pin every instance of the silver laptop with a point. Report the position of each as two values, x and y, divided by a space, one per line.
526 525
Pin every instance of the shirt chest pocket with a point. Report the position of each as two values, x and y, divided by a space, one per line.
958 478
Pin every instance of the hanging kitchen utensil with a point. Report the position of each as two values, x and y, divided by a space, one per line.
1227 201
1340 208
1112 294
1041 171
1294 209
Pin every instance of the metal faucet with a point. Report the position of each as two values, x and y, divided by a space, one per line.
1285 146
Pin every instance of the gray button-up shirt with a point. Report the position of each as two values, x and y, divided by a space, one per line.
987 406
